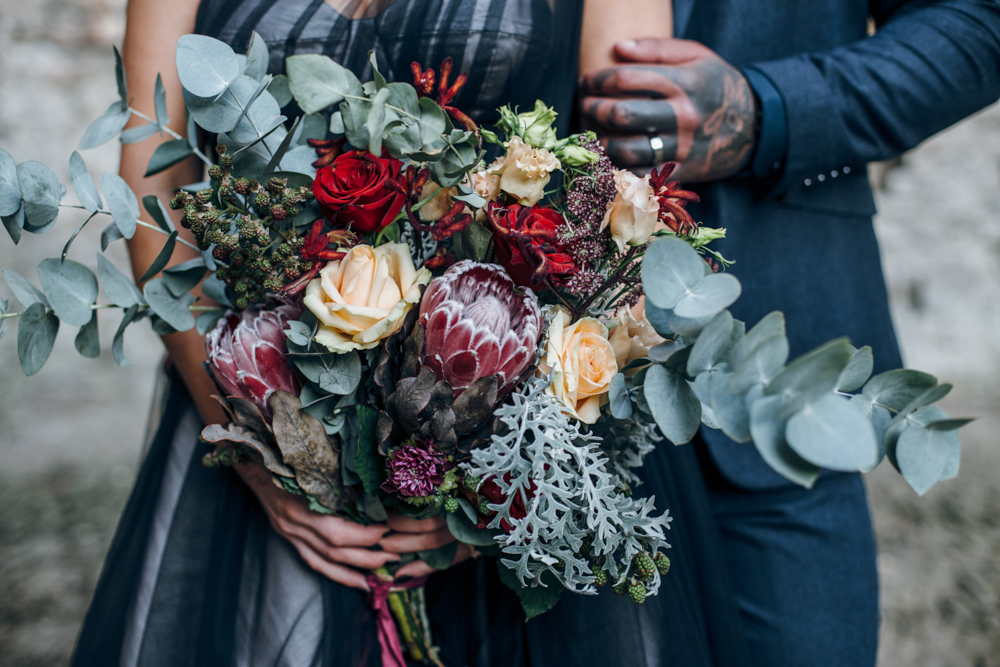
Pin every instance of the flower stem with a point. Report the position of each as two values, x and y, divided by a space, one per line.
173 134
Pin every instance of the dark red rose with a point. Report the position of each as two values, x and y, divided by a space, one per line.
352 190
491 491
529 246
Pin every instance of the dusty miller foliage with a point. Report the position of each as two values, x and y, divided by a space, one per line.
575 495
626 444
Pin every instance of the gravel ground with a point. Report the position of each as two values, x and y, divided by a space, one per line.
71 437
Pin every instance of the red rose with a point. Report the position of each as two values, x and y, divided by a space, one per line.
352 191
528 244
490 490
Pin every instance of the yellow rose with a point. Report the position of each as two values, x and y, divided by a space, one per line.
633 213
361 299
584 363
525 171
632 338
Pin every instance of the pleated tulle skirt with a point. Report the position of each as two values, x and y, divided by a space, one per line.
196 576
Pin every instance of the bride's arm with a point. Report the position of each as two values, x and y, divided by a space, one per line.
328 544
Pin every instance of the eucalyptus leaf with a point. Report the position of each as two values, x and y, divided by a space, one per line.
376 121
895 389
713 294
761 365
260 114
620 403
258 57
118 344
14 224
215 290
26 293
317 82
120 79
207 320
858 370
42 193
122 203
675 408
174 311
432 122
160 104
468 534
10 191
71 289
88 341
168 154
768 433
106 127
83 184
36 334
812 369
659 319
773 324
671 269
220 114
138 134
279 90
76 232
472 242
281 150
923 453
687 327
110 234
949 424
342 375
119 288
712 343
206 66
158 212
663 352
731 411
185 276
831 434
166 252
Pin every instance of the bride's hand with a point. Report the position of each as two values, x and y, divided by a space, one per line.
330 545
411 535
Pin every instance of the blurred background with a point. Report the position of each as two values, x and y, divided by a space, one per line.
71 437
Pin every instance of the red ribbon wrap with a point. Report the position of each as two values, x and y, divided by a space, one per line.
388 637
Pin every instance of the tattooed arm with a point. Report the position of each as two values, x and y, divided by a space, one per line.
700 106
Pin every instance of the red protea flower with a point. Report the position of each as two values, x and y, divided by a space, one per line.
246 354
478 324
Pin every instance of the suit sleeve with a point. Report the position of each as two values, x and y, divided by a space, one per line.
930 64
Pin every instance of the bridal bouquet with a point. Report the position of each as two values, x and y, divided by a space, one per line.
416 314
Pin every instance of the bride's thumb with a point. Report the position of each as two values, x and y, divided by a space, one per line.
657 50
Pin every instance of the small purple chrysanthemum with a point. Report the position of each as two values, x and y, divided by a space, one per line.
416 469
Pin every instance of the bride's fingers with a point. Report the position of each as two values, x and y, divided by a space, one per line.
343 533
405 524
339 573
419 568
362 558
407 542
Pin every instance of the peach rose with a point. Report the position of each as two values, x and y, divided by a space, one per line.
525 171
361 299
633 213
584 363
632 338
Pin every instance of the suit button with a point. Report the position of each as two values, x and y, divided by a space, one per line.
807 182
821 178
847 170
834 174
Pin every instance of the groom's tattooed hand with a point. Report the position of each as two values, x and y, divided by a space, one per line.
700 107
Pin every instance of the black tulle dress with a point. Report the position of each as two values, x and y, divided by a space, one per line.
196 576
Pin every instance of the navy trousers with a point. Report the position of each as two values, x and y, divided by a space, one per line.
803 566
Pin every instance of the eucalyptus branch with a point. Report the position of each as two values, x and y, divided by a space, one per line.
166 233
387 106
106 306
173 134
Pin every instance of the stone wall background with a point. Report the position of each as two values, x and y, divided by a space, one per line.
71 437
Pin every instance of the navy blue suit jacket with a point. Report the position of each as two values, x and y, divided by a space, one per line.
804 244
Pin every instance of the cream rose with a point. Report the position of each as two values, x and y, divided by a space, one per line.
633 213
486 184
584 363
632 338
364 297
525 171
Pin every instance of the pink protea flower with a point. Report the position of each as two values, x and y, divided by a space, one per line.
416 469
246 354
478 324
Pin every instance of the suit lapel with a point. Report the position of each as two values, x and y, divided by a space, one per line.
682 12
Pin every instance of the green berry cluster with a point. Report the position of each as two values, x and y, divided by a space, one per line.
246 222
451 505
641 571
